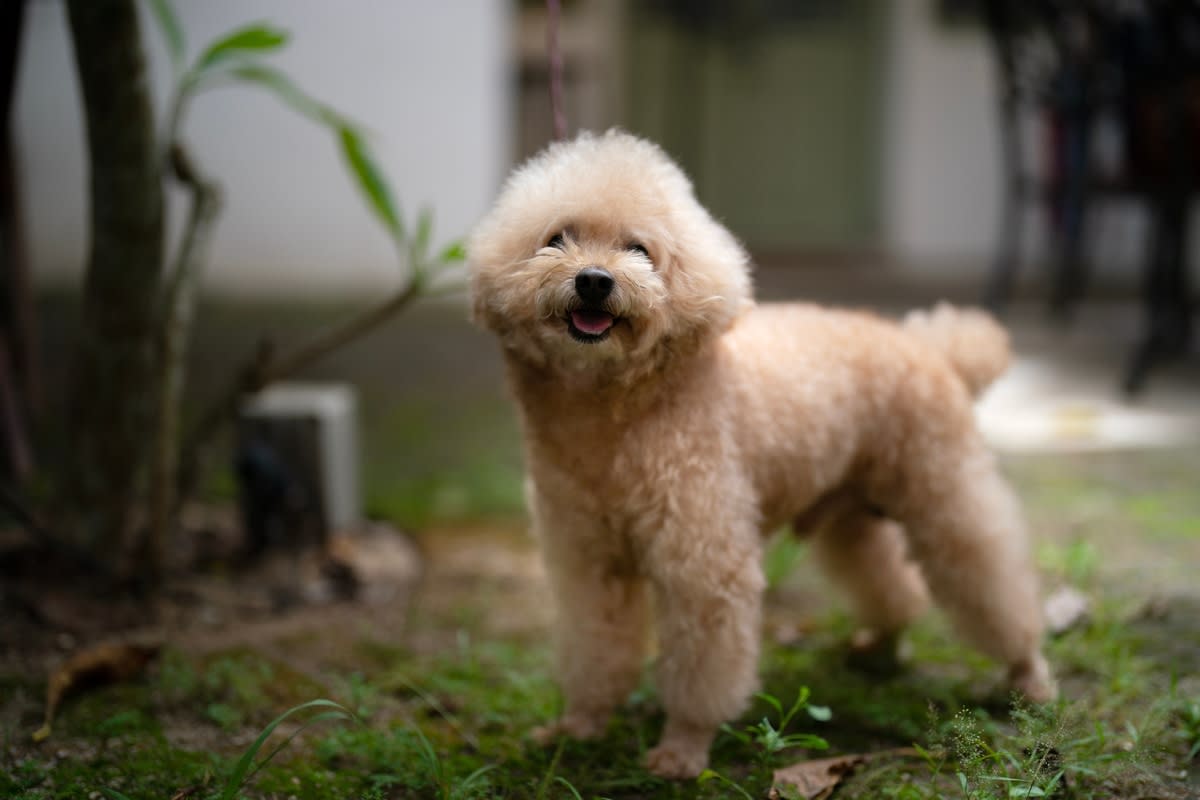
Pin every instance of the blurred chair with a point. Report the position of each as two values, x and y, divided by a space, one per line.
1078 64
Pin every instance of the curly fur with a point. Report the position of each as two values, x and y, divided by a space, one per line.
658 456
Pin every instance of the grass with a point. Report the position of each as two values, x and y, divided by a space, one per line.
444 708
451 724
448 719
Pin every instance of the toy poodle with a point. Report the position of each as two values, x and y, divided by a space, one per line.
669 423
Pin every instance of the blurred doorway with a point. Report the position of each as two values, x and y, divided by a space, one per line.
773 107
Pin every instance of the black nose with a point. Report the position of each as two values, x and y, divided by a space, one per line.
593 284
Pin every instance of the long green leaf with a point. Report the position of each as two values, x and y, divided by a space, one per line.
370 179
308 723
571 788
257 38
286 90
172 31
238 776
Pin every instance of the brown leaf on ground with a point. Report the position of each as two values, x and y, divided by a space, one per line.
109 662
816 780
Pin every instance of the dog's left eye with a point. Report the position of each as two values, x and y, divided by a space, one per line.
638 248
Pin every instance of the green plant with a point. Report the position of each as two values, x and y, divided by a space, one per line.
238 681
245 768
238 58
449 786
1189 721
1026 764
769 740
362 696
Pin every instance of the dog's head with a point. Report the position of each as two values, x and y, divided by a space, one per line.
598 256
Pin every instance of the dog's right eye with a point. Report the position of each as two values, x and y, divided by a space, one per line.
557 241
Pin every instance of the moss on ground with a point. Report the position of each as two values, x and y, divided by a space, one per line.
429 721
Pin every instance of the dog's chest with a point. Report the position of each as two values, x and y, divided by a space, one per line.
610 472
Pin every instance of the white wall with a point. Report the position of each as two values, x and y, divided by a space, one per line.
941 173
429 80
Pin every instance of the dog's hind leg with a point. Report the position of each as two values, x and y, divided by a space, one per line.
866 555
966 531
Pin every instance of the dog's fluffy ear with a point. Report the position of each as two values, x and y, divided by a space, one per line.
708 274
486 257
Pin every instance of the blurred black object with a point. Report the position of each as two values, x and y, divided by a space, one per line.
278 488
1135 65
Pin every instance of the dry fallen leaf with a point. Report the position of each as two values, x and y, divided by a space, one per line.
1065 609
109 662
816 780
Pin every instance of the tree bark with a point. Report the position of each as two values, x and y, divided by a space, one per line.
111 407
18 374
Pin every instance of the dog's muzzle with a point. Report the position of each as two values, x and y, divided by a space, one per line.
590 322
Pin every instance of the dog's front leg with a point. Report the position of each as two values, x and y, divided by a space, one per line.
709 597
600 631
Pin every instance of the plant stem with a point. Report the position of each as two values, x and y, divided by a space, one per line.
178 304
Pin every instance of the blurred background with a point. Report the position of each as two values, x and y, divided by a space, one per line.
1033 156
245 420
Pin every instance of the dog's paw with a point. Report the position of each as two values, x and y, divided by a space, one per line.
574 726
1032 678
677 761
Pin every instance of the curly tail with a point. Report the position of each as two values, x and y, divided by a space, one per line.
970 339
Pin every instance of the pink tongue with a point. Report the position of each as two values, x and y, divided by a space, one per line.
592 322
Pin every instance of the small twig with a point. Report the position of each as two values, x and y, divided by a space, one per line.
554 52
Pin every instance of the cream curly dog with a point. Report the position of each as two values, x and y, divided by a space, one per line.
669 422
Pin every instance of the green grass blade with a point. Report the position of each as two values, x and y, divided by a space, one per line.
570 787
326 715
172 31
470 781
253 39
240 770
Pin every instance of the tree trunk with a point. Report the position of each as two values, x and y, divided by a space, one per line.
18 374
111 407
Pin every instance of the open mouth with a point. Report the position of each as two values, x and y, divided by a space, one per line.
590 325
